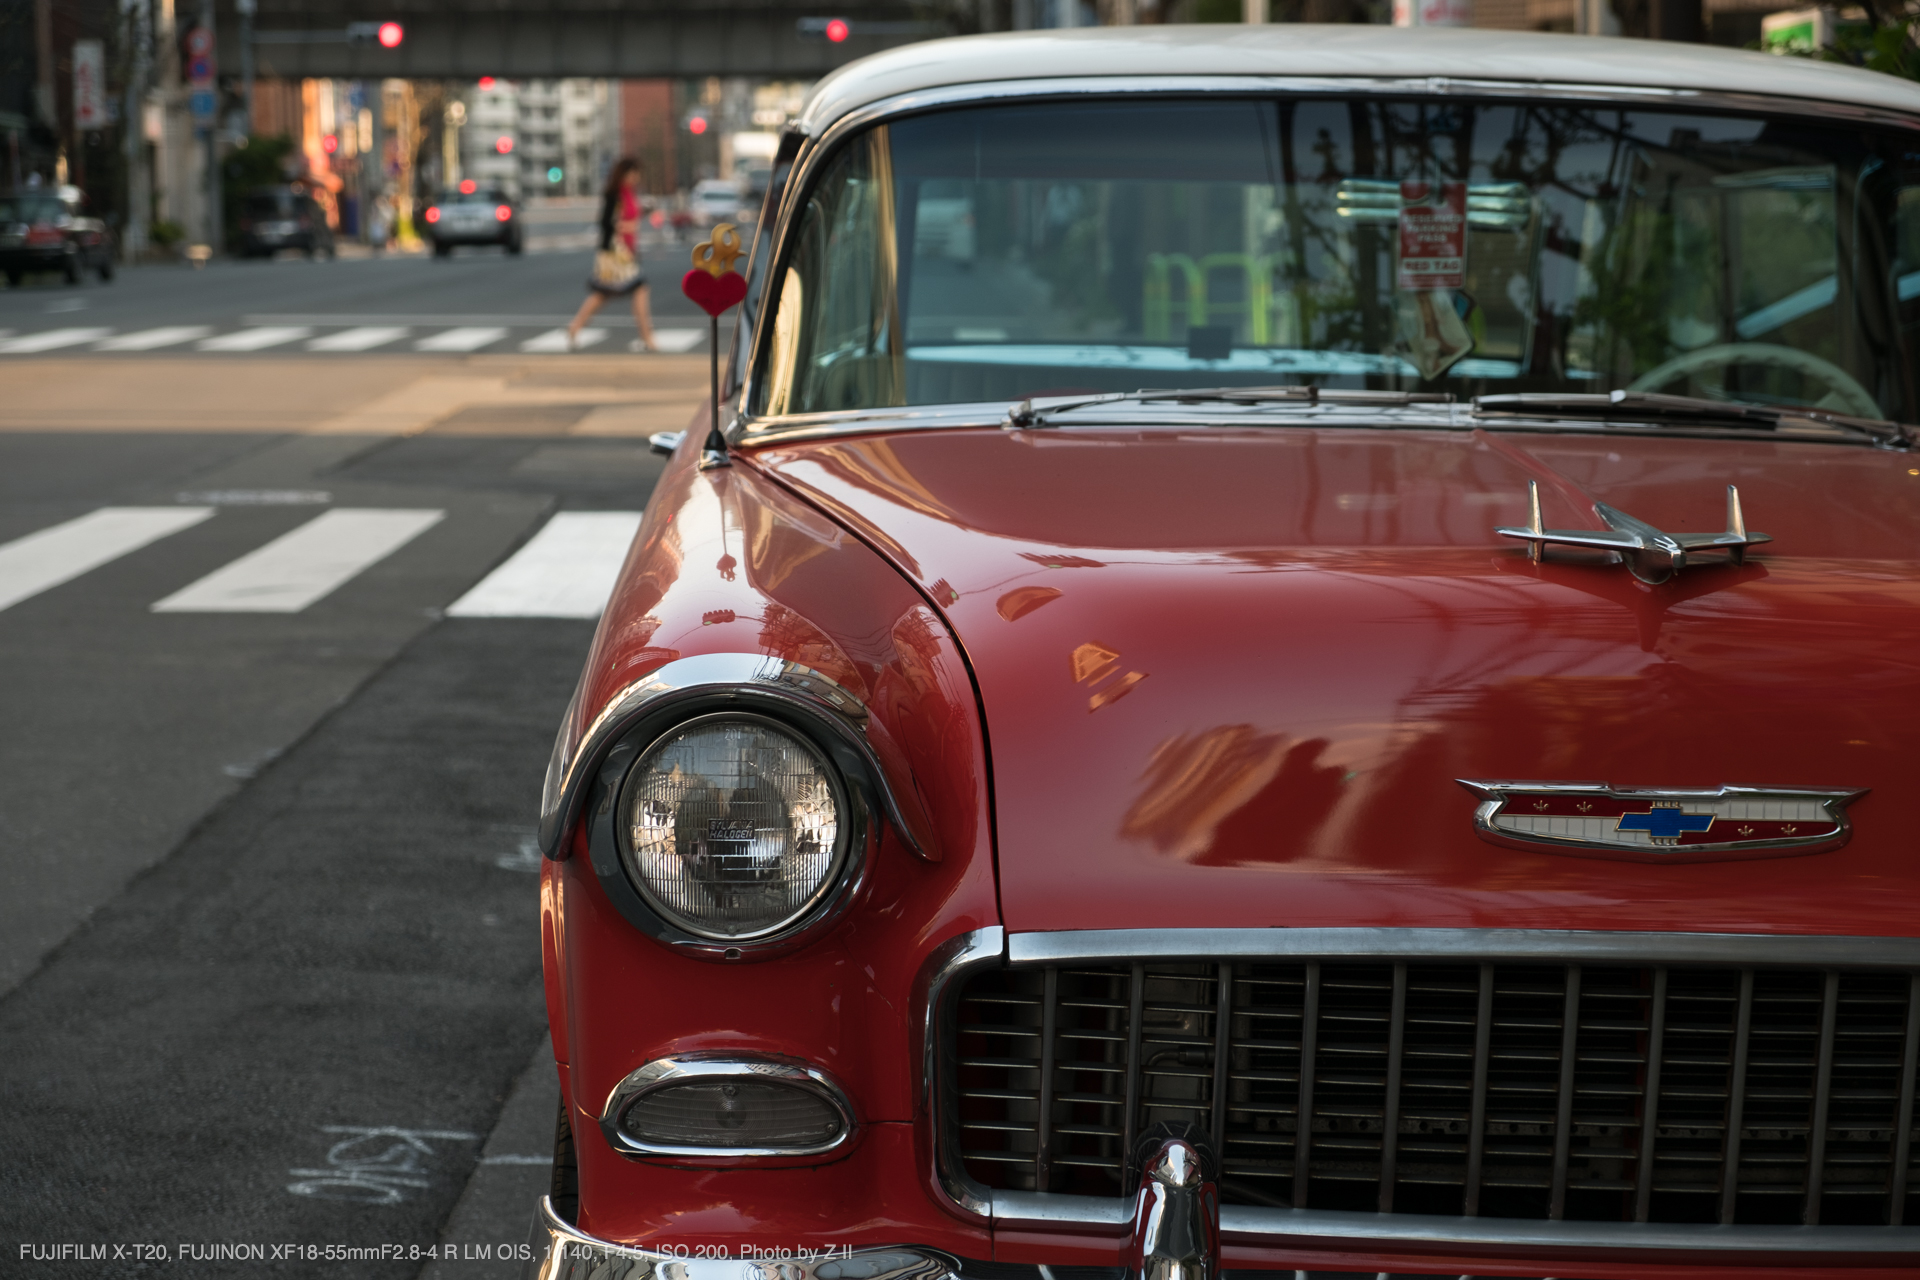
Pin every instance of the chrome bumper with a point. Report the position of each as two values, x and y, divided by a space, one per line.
557 1251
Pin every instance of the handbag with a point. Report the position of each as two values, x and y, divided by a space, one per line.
614 269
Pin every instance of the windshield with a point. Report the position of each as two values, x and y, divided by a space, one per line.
471 197
998 253
30 209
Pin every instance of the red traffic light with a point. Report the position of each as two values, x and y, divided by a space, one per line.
390 35
503 144
697 126
837 30
330 144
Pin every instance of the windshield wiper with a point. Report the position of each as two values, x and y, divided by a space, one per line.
1683 411
1034 412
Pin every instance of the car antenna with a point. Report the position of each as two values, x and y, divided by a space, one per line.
714 286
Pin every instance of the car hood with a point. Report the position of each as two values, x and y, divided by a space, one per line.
1231 677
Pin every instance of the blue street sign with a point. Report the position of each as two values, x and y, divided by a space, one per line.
200 103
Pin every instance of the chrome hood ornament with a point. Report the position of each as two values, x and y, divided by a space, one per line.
1651 555
1662 824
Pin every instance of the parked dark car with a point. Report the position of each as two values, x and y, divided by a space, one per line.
50 231
276 218
472 214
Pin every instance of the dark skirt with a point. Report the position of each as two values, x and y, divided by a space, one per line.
621 292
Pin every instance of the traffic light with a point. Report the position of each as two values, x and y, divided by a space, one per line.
387 35
696 125
835 30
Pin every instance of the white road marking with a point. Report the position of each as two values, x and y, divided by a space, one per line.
255 339
302 565
362 339
62 553
678 340
149 339
566 570
556 340
467 339
50 340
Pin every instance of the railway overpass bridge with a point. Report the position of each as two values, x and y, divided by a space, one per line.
537 39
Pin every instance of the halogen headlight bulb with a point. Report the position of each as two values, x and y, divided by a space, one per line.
734 827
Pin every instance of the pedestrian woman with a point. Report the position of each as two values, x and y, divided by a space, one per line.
616 267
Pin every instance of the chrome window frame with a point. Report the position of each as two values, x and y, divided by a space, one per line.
950 965
663 1073
745 430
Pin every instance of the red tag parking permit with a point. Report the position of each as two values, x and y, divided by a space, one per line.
1433 235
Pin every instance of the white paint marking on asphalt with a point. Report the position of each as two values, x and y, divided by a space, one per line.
362 339
63 552
679 340
375 1164
256 339
547 1160
50 340
302 565
150 339
467 339
566 570
556 340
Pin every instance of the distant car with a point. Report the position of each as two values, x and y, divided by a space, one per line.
715 200
472 214
50 231
276 218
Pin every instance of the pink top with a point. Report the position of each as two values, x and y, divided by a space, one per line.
629 216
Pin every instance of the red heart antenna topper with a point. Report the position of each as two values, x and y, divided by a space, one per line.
714 286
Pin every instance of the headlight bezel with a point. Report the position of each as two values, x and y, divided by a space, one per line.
609 848
629 856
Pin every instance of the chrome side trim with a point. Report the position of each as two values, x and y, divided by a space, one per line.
748 678
951 961
558 1250
807 164
1569 945
664 1072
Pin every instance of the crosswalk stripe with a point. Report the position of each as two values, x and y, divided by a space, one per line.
255 339
304 564
566 570
51 556
50 340
678 340
150 339
556 340
361 339
468 339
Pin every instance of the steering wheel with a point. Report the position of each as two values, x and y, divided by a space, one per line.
1846 395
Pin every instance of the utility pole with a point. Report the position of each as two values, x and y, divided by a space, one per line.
245 9
214 237
133 127
43 99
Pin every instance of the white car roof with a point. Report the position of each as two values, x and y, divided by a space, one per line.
1295 49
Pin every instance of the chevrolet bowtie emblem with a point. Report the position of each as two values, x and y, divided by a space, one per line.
1655 824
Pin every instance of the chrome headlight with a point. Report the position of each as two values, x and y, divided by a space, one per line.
735 827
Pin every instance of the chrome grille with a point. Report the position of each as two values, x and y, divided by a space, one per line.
1514 1090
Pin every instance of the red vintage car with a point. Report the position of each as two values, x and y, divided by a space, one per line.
1220 703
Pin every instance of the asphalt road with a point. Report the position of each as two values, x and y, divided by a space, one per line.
269 971
388 304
